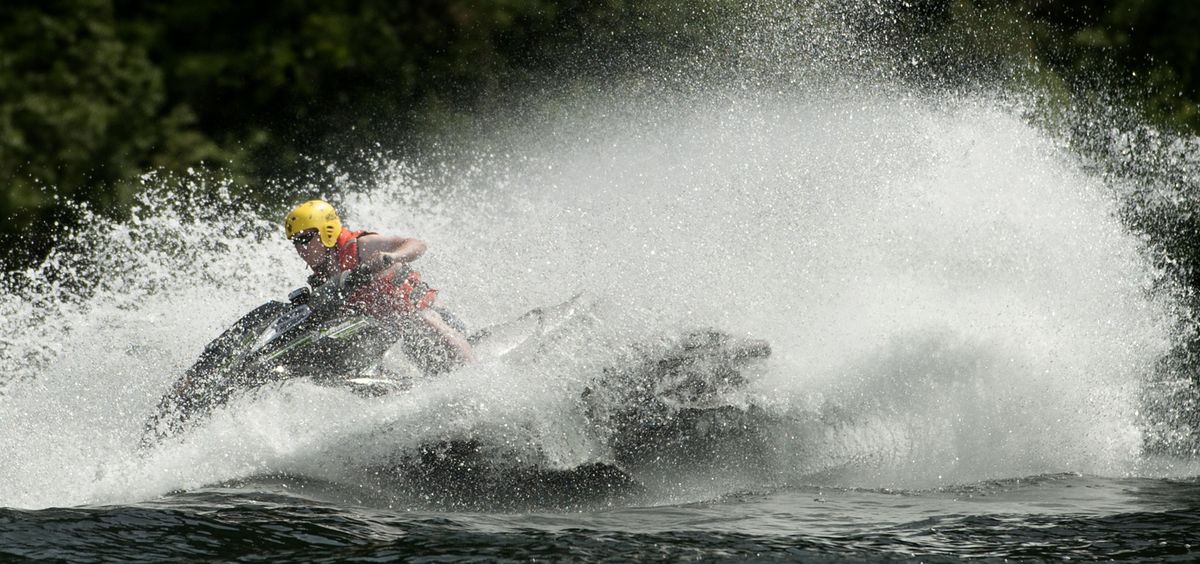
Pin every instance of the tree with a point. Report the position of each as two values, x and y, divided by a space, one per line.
80 116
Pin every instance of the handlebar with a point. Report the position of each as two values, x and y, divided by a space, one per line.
335 290
363 273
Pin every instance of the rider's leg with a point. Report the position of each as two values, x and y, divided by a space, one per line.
449 336
431 343
451 320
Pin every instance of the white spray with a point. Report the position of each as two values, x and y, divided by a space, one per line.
949 295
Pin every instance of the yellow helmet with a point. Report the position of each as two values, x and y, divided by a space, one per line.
314 214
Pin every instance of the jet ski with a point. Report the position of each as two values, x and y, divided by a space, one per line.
314 335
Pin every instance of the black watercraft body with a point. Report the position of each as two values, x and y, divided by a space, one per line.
670 403
312 336
277 341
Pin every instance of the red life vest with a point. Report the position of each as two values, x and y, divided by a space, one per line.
397 290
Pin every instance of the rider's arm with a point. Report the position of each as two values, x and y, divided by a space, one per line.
396 249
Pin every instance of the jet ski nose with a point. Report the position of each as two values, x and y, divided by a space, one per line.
750 348
725 345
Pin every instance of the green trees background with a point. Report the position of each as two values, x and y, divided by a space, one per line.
95 93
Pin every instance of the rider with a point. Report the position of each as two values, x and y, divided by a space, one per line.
433 338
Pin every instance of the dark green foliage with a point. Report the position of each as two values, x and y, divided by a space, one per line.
1146 51
81 114
93 93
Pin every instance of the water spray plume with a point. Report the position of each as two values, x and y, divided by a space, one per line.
949 292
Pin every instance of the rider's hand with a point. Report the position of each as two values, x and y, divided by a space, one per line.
379 264
333 291
363 273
